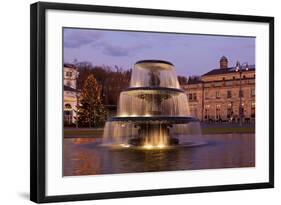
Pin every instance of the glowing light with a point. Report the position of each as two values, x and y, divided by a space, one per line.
148 146
160 146
137 84
125 145
123 115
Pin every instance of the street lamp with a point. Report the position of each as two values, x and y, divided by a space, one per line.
239 68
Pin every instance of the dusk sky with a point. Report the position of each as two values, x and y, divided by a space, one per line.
190 53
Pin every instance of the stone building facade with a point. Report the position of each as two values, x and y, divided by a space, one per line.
215 96
70 93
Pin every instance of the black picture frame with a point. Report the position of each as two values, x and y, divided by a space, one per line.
38 101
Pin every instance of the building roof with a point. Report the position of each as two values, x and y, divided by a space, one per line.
68 65
67 88
226 70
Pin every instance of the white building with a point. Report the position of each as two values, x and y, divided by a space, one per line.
70 93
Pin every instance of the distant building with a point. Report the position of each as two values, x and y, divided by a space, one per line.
214 96
70 93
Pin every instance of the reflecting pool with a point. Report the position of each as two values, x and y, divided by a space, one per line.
87 156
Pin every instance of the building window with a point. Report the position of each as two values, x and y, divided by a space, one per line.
233 77
253 109
229 94
217 94
207 112
68 74
253 92
218 112
241 93
68 117
206 95
244 76
194 96
230 111
67 106
223 78
68 114
253 105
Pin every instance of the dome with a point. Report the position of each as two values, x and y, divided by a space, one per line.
223 58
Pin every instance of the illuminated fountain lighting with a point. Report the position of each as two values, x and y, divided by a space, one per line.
125 145
153 111
148 146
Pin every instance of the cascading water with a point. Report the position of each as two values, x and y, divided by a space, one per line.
153 111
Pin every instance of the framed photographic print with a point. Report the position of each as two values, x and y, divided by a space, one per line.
129 102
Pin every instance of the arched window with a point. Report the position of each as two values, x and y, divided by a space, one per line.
67 106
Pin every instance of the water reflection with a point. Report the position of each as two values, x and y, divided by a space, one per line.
85 156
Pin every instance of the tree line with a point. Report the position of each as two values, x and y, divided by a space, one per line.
112 80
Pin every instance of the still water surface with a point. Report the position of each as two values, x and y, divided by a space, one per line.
86 156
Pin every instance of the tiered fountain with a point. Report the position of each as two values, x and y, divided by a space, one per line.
153 111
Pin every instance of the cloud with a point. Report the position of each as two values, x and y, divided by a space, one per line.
74 38
118 50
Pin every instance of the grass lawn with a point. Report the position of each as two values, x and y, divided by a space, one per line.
226 130
95 132
98 132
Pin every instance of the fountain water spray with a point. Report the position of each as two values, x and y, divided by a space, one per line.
153 111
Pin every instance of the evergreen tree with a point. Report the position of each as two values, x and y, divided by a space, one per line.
91 111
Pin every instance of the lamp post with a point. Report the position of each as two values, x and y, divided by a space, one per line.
239 68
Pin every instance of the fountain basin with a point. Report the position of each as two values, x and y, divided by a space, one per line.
151 101
154 89
163 119
152 131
